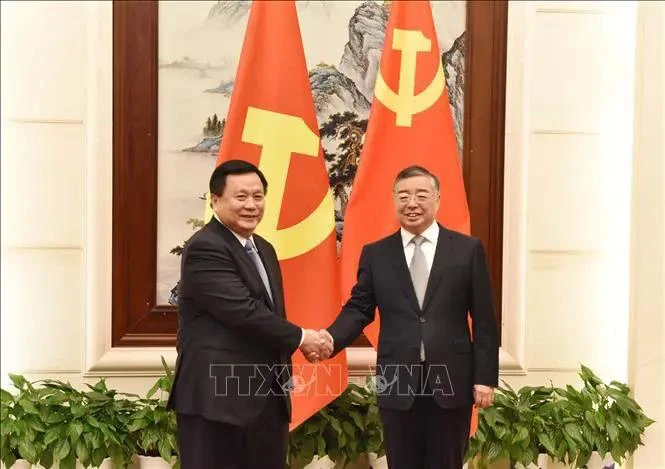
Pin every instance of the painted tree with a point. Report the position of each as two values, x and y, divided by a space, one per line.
348 131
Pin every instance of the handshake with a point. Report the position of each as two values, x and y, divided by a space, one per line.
317 346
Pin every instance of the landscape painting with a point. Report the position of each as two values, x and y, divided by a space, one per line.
199 48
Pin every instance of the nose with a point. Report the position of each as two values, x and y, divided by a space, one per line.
412 202
250 203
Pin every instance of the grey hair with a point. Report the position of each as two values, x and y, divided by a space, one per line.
413 171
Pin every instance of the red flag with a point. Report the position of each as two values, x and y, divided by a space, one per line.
272 123
410 124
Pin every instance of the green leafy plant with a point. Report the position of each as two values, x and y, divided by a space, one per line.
567 424
8 444
306 441
599 417
89 426
345 430
21 427
156 426
50 422
373 427
516 427
26 418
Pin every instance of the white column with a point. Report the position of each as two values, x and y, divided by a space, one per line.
647 359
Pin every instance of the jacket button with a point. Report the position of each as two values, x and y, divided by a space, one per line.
421 319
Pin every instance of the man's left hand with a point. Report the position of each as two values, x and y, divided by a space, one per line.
483 396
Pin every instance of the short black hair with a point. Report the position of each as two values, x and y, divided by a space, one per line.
415 170
218 177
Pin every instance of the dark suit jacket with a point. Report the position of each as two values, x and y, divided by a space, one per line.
458 283
228 324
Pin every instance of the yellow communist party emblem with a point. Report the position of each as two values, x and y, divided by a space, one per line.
279 135
405 103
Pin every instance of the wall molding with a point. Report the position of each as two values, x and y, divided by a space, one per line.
512 356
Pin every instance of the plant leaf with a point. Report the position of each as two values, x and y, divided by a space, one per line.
573 431
68 462
164 449
38 426
62 450
153 389
77 409
75 429
18 381
98 455
6 397
82 452
521 435
28 406
547 443
46 458
600 419
28 451
9 460
117 456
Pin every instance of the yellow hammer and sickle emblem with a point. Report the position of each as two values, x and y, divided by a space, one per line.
279 135
405 103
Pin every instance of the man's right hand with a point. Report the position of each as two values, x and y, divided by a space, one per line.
317 345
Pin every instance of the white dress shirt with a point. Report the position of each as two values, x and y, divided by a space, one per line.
240 238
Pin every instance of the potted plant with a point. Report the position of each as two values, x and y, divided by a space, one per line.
16 450
347 433
345 417
156 427
515 428
599 423
372 427
26 418
553 427
306 442
89 428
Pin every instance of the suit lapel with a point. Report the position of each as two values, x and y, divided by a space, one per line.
396 250
239 252
441 256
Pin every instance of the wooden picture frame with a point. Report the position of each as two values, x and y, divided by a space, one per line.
137 319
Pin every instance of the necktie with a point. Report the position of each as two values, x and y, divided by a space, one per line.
418 269
419 275
254 255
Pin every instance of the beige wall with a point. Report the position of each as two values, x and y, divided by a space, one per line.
568 159
45 97
584 206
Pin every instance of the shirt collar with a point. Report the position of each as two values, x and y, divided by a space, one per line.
430 234
240 238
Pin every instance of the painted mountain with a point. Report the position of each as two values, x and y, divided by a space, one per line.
349 86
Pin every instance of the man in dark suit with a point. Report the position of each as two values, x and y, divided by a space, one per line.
430 371
234 343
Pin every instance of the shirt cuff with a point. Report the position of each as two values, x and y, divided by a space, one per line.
302 337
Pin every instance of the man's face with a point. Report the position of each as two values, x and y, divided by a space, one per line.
416 203
241 205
